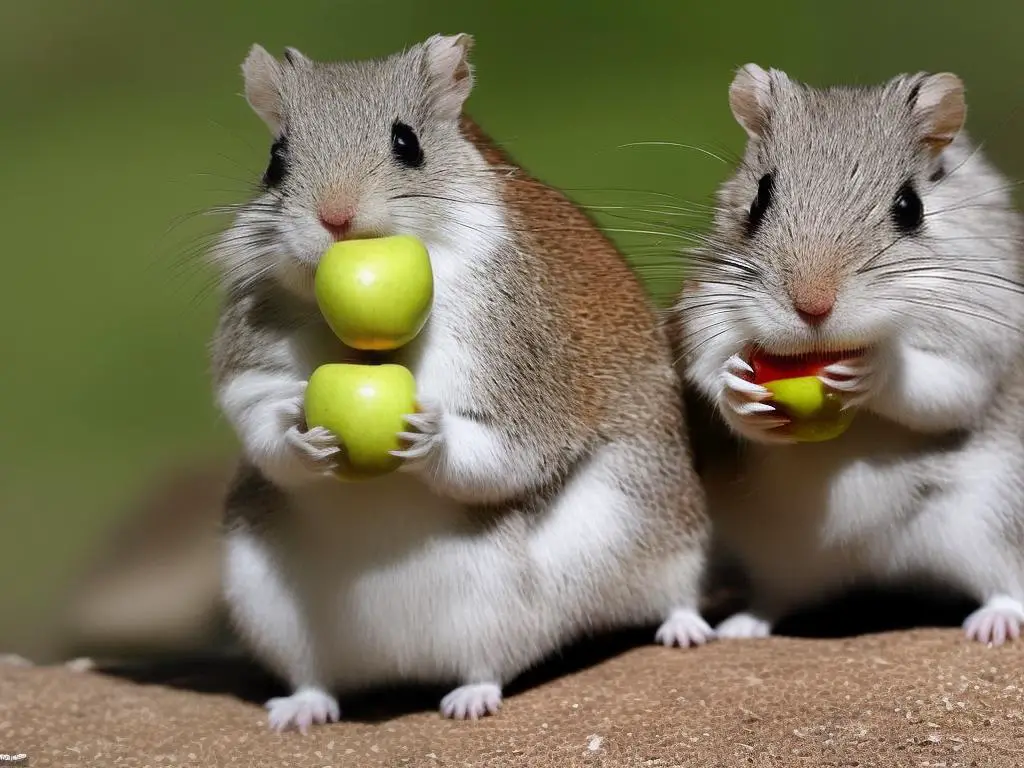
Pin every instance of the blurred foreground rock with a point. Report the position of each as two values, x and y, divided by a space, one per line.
153 588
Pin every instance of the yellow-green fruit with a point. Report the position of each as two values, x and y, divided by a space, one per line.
365 406
816 412
375 294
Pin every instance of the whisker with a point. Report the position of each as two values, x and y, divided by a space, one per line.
952 306
878 254
672 144
692 350
936 273
963 204
681 213
962 163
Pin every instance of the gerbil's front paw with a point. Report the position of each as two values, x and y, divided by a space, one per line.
684 628
425 435
302 709
742 404
855 379
998 620
471 702
318 449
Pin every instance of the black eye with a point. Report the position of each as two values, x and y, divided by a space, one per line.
405 146
765 190
907 210
278 165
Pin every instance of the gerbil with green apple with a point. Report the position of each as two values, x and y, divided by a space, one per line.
545 488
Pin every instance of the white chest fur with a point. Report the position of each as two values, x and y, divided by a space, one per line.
810 518
395 576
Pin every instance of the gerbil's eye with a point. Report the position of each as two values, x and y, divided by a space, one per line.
278 165
907 210
405 146
765 190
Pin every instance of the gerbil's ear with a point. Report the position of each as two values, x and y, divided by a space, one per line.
262 73
296 58
751 95
938 103
449 72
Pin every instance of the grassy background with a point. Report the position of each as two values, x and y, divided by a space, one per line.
120 118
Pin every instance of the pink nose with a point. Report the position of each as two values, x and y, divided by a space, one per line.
814 310
336 222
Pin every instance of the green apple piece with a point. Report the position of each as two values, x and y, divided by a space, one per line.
365 406
802 397
816 413
375 294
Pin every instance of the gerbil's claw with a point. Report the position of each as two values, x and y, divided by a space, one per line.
427 425
847 368
997 621
301 710
318 448
684 628
471 702
854 379
748 388
738 364
423 422
420 446
321 439
750 408
844 385
743 405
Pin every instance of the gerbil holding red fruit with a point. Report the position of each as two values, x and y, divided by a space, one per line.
864 228
798 386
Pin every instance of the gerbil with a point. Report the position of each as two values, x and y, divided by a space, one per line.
547 490
863 222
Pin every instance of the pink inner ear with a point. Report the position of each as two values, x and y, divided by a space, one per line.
940 101
451 64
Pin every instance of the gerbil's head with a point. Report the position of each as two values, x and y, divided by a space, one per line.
857 213
359 149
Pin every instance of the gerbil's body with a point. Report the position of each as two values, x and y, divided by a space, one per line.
547 489
864 223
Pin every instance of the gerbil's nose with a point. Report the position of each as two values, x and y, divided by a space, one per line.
814 304
337 221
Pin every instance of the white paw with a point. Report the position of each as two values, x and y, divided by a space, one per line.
684 628
856 379
302 709
998 620
742 404
742 626
426 423
471 702
318 449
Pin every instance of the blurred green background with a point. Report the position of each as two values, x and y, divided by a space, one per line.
121 119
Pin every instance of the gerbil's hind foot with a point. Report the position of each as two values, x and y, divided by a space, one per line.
998 620
305 707
743 626
684 627
471 702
